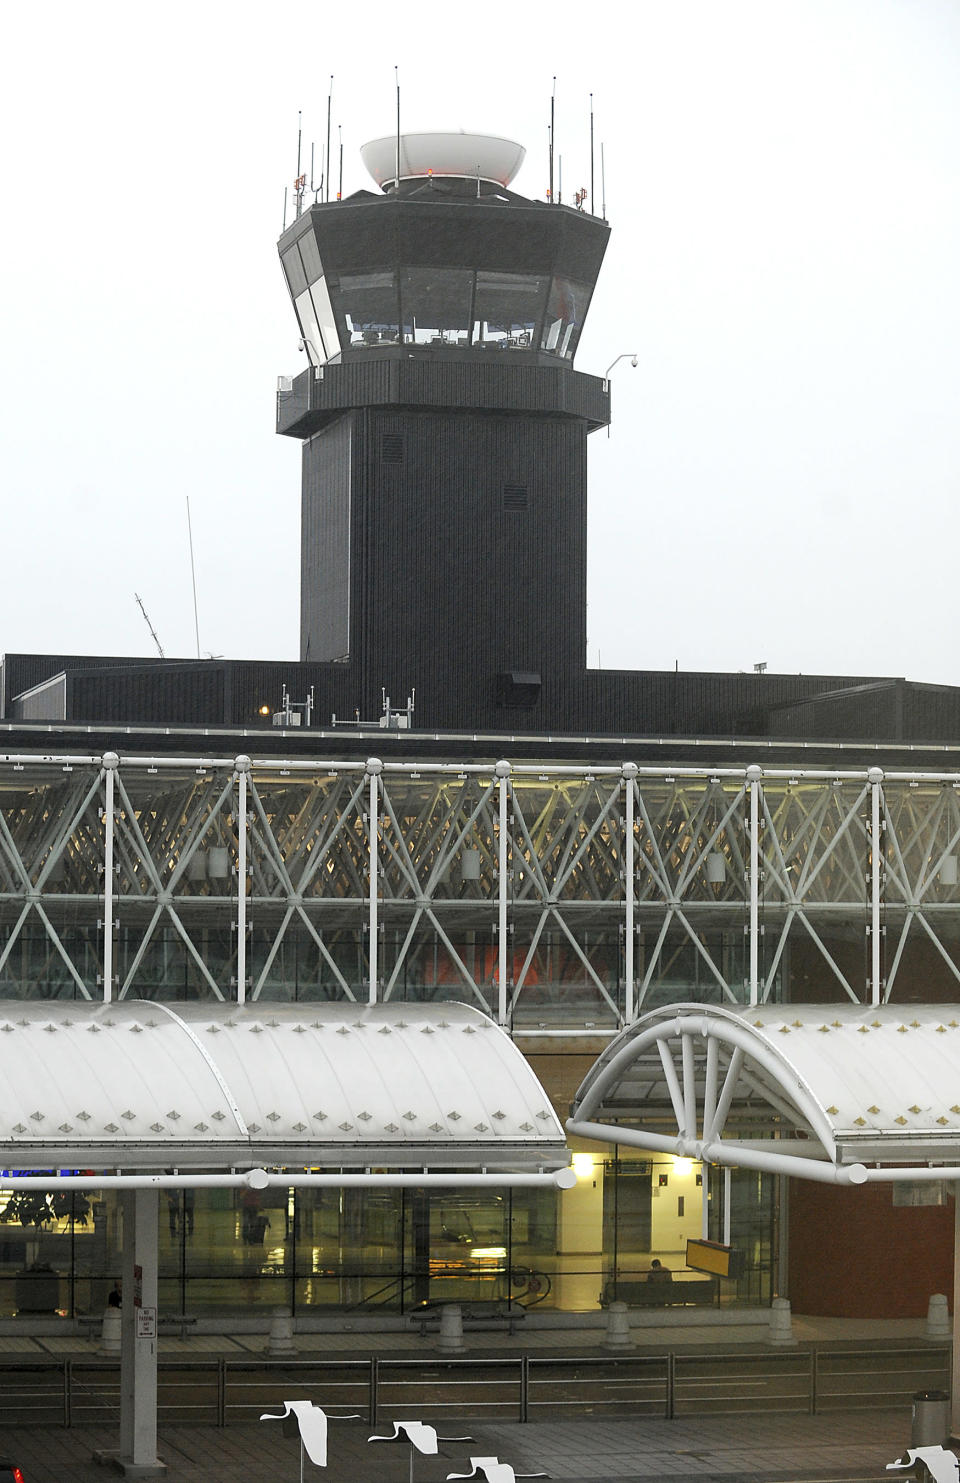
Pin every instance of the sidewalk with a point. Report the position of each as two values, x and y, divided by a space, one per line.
761 1449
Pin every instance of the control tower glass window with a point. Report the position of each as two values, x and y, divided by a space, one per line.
507 308
369 305
435 304
313 342
566 311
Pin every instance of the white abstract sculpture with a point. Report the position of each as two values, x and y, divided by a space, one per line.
422 1438
494 1471
312 1423
942 1465
312 1426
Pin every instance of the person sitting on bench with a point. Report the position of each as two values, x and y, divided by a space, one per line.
658 1272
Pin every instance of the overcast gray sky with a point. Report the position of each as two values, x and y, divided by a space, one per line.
783 185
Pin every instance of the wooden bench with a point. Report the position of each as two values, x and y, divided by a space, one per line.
475 1313
676 1293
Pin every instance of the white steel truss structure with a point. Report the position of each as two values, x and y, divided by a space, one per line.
558 898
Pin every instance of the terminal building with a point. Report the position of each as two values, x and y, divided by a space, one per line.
518 850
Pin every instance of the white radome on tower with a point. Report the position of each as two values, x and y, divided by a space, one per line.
465 156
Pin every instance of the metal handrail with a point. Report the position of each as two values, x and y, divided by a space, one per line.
524 1375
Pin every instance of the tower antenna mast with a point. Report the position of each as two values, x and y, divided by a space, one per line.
193 578
396 73
301 180
553 100
326 172
146 620
593 207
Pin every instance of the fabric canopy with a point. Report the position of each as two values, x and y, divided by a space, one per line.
145 1085
818 1091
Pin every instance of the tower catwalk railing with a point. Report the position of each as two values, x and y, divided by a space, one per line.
562 899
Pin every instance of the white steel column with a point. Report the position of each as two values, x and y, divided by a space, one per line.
629 771
705 1200
138 1326
875 778
727 1185
754 774
955 1368
502 770
110 763
243 770
374 769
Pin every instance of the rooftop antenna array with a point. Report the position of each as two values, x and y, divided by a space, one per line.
146 620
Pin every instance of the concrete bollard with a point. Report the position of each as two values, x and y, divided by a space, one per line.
451 1329
938 1318
280 1342
618 1327
781 1324
110 1342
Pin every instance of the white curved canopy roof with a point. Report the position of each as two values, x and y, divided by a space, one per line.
820 1091
144 1085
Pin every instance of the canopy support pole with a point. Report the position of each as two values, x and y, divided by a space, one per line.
955 1366
138 1327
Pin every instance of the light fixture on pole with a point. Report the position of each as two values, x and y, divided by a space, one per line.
626 355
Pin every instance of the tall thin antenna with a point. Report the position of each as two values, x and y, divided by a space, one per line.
593 206
312 190
396 73
326 173
560 180
150 626
193 578
340 189
300 179
553 99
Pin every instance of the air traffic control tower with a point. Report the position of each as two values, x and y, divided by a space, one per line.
444 434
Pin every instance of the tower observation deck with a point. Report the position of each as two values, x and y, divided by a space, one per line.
444 432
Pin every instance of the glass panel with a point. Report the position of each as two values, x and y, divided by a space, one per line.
310 256
506 310
436 306
329 962
325 318
456 1246
368 302
458 965
566 311
293 270
310 329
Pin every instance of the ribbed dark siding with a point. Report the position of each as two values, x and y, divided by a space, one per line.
452 589
22 671
417 380
325 544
